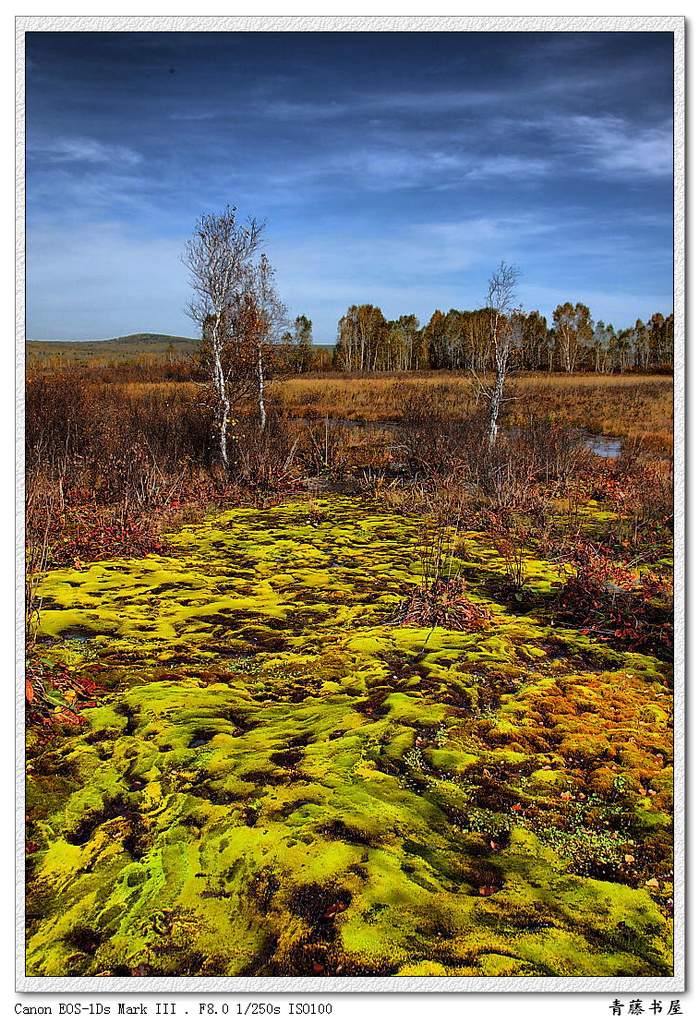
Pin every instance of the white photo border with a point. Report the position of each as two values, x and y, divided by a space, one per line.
249 23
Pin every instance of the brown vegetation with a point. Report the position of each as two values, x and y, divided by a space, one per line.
631 406
115 452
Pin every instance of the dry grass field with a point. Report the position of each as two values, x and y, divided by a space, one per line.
631 407
635 407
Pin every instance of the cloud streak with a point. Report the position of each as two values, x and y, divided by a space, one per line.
82 151
614 145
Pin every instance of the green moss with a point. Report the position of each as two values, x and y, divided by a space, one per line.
277 780
423 969
451 760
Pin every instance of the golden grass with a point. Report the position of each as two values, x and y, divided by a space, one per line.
631 406
634 407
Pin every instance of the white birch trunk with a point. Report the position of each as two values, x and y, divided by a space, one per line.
261 390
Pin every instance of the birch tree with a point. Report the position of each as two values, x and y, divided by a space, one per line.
268 318
573 331
503 336
220 258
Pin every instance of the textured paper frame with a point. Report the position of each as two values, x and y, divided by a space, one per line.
675 983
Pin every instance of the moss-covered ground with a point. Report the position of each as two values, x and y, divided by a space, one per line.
276 780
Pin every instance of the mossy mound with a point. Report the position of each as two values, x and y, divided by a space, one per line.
281 782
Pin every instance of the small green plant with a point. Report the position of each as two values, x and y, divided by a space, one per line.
591 852
619 784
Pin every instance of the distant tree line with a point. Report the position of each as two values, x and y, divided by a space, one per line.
461 340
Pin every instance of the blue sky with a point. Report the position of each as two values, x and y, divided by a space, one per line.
393 168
